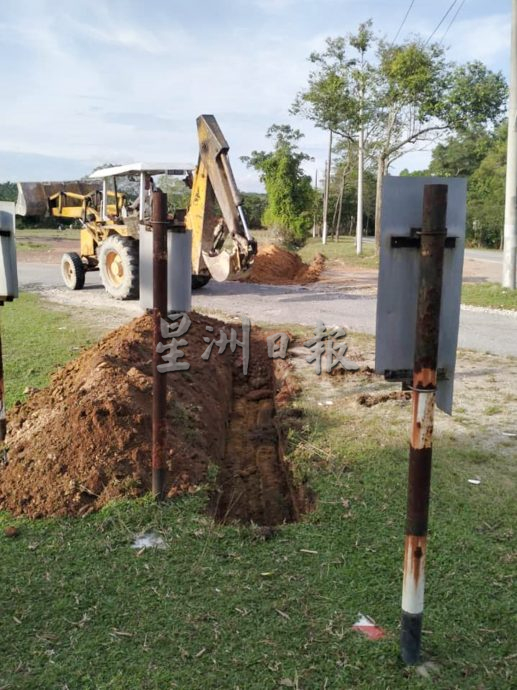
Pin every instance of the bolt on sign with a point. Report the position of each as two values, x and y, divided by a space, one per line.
399 278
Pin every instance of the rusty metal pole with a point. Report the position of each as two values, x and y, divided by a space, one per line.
158 223
432 244
3 418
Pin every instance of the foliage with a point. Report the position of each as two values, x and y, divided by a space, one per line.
178 194
412 93
254 205
290 197
480 155
461 155
8 191
486 196
339 95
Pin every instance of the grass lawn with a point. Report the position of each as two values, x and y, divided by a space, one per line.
343 249
490 295
37 338
46 234
223 609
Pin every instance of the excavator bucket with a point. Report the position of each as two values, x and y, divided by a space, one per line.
33 197
226 265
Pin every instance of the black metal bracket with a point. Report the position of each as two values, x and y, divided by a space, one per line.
412 241
406 375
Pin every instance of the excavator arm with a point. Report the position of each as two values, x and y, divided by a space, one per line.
213 186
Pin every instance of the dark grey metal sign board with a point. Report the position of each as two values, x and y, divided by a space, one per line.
398 280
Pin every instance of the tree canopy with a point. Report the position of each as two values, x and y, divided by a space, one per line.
290 196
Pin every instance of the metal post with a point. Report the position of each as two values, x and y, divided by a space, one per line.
158 223
432 244
510 211
3 418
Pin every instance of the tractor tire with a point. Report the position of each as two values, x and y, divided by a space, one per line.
199 281
118 266
72 270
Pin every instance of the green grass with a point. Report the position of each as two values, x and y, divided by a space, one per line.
46 233
489 295
37 338
222 609
31 246
343 250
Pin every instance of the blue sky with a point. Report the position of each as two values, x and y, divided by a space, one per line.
122 80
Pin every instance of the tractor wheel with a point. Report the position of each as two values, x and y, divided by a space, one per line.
199 281
118 266
72 270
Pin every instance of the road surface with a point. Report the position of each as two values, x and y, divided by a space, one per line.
482 330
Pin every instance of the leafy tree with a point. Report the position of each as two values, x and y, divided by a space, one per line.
290 196
411 93
339 95
460 156
486 195
422 96
8 191
254 205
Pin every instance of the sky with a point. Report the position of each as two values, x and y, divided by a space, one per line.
85 83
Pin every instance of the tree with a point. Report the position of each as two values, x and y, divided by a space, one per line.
461 155
338 97
254 205
422 96
486 193
411 94
8 191
290 196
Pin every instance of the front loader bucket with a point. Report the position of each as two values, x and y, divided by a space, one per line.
33 196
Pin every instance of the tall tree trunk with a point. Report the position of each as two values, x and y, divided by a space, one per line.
340 206
327 191
314 225
381 171
360 170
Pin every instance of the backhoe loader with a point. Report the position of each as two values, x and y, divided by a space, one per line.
111 223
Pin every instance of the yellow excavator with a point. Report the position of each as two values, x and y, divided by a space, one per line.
222 245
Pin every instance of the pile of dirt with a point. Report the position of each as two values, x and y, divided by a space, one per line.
86 439
276 266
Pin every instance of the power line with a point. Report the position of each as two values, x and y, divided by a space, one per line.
452 20
403 21
442 20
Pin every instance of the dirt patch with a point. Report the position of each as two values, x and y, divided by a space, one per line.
276 266
375 399
86 439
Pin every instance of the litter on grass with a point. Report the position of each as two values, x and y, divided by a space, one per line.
148 541
474 481
366 626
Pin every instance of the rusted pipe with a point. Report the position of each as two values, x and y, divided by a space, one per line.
3 418
158 223
432 246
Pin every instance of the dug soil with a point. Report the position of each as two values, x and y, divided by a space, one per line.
86 439
276 266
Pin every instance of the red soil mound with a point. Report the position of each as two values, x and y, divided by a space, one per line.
86 439
276 266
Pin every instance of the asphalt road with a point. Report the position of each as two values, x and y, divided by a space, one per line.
481 330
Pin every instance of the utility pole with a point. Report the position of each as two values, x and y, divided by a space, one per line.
327 188
510 210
